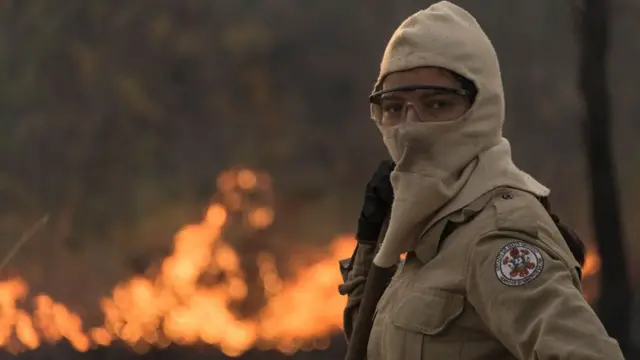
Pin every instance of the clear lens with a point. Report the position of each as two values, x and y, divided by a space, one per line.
426 105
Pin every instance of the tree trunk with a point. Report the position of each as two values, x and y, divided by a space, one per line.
614 303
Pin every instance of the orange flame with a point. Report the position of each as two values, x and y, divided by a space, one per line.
591 263
173 306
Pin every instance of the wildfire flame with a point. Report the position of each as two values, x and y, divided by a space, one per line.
591 264
172 305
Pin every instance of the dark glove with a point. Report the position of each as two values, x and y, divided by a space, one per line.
377 202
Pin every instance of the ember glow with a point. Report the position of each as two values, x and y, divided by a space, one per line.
172 305
591 263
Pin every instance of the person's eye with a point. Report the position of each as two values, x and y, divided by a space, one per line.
438 103
392 107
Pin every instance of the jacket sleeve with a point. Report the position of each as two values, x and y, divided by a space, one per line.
353 286
531 301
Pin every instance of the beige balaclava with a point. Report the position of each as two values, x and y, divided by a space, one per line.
444 166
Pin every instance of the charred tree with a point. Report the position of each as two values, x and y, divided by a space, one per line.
614 304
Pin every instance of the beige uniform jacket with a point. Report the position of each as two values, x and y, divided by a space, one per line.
503 285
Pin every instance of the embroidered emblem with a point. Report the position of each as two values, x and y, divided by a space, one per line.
518 263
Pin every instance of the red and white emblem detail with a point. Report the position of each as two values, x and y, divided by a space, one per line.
518 263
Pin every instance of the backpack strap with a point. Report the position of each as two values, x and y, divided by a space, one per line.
575 244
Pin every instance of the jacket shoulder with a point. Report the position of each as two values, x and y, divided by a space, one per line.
503 209
520 215
520 211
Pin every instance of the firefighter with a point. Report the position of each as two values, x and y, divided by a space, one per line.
488 274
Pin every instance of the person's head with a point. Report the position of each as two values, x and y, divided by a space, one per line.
424 94
439 90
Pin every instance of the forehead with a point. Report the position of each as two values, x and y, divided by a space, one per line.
420 76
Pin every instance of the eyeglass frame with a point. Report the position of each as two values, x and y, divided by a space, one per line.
376 97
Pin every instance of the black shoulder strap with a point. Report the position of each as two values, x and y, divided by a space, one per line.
575 244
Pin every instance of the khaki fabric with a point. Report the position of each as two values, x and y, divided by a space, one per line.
353 286
437 161
456 303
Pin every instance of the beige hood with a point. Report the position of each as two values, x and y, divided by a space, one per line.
442 167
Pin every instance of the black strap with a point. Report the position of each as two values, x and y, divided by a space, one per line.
575 244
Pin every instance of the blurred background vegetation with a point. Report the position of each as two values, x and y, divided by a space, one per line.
117 116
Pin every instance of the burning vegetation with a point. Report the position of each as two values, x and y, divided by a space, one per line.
172 304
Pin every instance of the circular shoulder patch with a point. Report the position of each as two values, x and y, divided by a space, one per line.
518 263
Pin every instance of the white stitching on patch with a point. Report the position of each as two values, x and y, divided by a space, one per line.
518 263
